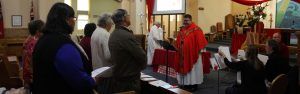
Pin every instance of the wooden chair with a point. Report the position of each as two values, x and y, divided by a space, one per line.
220 30
212 34
229 24
279 85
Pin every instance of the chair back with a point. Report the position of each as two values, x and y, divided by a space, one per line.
279 85
219 27
213 29
229 22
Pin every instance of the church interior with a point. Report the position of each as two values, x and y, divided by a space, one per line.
232 24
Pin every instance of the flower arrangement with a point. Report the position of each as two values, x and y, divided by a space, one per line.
256 13
240 19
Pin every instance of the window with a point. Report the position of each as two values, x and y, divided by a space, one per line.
83 13
68 2
83 5
82 20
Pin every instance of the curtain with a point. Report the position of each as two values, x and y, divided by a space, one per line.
250 2
150 5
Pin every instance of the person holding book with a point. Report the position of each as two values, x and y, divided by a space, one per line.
252 73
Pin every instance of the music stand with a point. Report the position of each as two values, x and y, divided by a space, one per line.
166 45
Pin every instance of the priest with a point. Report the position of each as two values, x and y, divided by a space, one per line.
155 34
189 42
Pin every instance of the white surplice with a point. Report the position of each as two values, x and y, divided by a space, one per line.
195 76
154 35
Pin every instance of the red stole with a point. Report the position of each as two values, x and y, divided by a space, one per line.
193 41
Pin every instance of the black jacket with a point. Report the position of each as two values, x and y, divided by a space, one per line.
46 79
253 81
276 65
128 58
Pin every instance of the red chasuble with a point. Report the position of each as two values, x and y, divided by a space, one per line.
192 40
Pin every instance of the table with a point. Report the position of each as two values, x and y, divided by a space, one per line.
160 58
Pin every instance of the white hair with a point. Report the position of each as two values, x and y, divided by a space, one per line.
156 23
105 19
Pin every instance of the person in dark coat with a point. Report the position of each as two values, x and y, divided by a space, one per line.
59 66
252 73
276 63
127 55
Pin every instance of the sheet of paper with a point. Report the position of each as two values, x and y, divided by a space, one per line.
158 83
220 61
145 76
98 71
214 64
12 58
241 54
149 79
263 58
225 50
239 77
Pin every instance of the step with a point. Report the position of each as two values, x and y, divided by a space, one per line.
223 43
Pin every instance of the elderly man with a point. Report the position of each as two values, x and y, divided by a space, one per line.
283 48
99 42
155 34
127 55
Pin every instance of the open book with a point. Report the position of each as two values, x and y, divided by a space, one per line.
99 71
225 50
263 58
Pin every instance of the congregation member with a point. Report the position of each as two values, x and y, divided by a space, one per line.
127 55
155 34
252 73
283 48
59 66
189 42
35 31
99 42
85 42
276 64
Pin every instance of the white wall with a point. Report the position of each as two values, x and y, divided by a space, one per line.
22 7
15 7
214 11
271 9
97 7
44 7
135 8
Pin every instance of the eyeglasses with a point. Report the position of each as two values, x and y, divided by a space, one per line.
75 18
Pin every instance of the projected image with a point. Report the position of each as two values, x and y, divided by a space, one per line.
169 5
287 14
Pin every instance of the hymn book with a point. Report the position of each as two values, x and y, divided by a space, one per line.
99 71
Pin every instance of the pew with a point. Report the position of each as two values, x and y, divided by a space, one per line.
13 46
155 86
10 72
